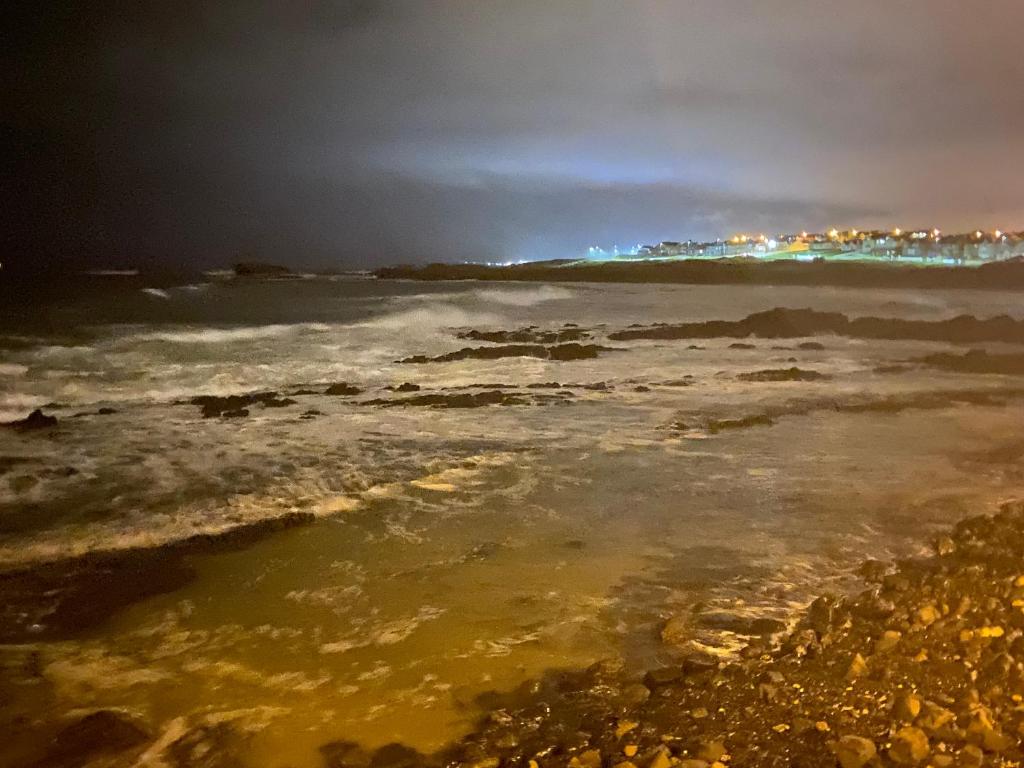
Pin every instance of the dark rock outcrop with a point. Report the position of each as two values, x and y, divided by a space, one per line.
560 352
782 323
527 336
237 406
977 361
784 374
260 269
35 420
343 389
104 732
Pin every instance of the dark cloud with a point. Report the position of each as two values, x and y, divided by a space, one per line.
367 131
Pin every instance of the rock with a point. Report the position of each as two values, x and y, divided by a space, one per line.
784 374
873 571
209 746
408 387
35 420
711 751
858 667
741 625
814 346
982 732
635 694
560 352
888 641
260 269
821 614
927 615
591 758
656 678
909 746
907 707
677 630
102 732
625 726
933 718
237 406
661 759
342 389
853 751
344 754
970 757
105 412
396 756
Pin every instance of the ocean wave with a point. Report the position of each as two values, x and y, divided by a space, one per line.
13 369
160 293
528 297
430 318
223 335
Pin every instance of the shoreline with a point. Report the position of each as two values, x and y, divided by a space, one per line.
59 599
925 666
995 276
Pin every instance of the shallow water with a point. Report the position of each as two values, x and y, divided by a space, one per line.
455 551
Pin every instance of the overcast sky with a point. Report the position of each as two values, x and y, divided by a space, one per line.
367 132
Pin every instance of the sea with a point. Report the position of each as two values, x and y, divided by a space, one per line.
453 552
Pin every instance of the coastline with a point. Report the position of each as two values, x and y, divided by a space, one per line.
998 276
58 599
925 666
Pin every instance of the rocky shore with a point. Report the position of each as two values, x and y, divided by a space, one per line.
783 323
924 667
63 598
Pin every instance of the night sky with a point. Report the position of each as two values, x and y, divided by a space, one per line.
360 133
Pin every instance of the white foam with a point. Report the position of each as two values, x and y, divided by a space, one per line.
226 335
432 317
525 297
160 293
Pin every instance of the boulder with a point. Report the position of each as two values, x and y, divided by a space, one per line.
35 420
853 751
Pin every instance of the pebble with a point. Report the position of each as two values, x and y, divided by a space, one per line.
854 751
909 746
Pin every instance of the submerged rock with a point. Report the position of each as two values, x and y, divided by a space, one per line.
560 352
784 374
342 389
527 336
977 361
780 323
35 420
105 732
237 406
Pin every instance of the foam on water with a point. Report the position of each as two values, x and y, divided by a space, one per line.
458 551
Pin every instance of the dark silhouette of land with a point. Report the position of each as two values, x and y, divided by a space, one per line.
1003 275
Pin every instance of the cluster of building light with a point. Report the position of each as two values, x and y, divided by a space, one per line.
836 234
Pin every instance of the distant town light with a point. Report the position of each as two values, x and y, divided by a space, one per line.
833 233
998 234
977 234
